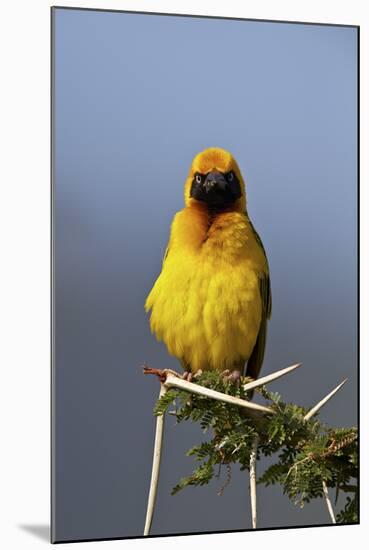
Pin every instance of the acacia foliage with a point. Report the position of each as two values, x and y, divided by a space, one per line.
306 452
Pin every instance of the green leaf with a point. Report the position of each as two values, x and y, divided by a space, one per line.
305 452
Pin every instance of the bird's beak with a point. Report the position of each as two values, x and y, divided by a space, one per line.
214 181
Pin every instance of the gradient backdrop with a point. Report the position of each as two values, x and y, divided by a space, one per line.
136 97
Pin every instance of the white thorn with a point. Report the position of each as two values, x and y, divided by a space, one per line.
253 456
155 466
311 413
270 377
174 381
319 405
328 501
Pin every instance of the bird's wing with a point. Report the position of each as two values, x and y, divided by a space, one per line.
256 358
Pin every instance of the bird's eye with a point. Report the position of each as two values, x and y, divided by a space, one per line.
198 178
230 176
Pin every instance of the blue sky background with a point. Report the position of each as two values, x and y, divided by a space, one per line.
136 97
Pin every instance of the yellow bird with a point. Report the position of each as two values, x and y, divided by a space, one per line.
212 299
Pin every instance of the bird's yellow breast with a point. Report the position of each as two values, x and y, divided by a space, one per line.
206 304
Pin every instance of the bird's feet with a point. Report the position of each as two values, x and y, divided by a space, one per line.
233 376
189 376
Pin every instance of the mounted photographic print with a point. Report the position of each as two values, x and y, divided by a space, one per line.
205 274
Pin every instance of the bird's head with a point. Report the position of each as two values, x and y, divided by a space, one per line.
215 180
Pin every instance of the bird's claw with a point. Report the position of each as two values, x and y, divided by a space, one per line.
233 376
187 375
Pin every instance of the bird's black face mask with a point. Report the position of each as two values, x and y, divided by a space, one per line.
217 189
